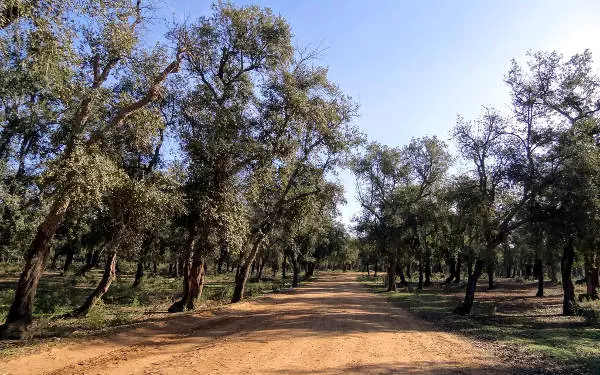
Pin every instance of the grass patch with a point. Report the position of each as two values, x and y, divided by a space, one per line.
510 320
60 294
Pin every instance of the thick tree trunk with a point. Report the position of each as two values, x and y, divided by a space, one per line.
191 260
296 272
242 275
539 271
391 275
107 278
20 316
376 267
566 266
467 305
420 285
427 271
195 282
139 273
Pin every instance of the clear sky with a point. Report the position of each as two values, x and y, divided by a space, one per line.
413 66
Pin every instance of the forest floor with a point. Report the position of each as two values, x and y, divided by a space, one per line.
521 329
331 325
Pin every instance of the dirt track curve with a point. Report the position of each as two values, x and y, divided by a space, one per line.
330 326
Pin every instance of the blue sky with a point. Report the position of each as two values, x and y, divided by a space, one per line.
413 66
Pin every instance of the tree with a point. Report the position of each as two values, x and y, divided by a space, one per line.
88 115
227 52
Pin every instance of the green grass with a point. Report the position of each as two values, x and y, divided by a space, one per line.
60 294
543 339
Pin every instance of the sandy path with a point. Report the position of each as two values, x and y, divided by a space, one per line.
330 326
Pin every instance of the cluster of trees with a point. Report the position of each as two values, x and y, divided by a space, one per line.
88 112
522 195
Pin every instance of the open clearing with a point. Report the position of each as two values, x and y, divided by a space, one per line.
332 325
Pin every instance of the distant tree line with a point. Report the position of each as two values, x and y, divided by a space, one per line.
521 197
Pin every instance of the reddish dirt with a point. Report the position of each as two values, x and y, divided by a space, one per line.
332 325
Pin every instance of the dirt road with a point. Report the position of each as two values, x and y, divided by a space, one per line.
330 326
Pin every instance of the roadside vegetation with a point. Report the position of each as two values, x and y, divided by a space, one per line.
141 178
525 332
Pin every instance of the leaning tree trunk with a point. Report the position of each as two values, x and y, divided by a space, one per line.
242 275
539 270
467 305
20 316
107 278
566 266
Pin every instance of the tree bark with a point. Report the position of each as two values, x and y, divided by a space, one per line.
391 275
420 285
242 275
467 305
427 270
139 273
539 270
296 271
19 317
566 266
193 284
107 278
